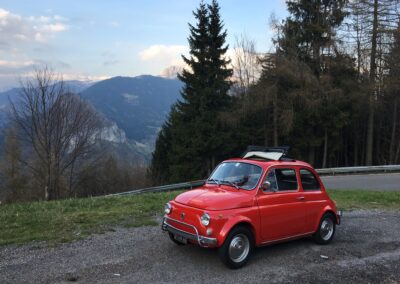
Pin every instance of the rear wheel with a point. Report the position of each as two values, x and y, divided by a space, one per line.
237 248
326 230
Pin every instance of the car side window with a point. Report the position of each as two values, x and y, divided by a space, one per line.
308 180
286 179
272 180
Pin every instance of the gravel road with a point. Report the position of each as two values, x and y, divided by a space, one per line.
366 249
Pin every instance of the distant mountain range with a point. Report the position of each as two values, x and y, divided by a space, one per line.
138 105
73 86
135 106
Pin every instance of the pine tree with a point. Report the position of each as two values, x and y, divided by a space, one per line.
193 139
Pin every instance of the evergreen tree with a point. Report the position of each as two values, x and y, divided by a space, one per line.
193 139
299 84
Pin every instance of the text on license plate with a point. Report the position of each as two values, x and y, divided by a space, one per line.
180 239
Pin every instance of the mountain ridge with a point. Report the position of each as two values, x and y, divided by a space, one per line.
138 106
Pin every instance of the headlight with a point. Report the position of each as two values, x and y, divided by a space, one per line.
167 208
205 219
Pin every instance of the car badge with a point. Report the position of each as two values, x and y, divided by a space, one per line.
182 216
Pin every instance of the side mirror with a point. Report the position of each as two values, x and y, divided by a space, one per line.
266 186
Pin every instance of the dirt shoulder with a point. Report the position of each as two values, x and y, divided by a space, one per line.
366 248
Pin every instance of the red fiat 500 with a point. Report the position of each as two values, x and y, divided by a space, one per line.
256 200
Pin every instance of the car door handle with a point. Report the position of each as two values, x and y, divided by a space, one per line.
300 198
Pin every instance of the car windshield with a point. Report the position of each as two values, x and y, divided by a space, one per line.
236 174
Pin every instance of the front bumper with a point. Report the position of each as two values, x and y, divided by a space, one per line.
200 240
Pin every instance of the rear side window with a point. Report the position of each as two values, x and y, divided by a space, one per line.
282 179
308 180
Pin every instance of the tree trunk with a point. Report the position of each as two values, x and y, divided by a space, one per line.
71 173
356 150
396 159
393 136
372 79
275 120
325 148
46 193
311 155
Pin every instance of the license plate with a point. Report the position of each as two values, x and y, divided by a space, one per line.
180 239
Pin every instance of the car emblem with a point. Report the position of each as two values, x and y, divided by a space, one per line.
182 216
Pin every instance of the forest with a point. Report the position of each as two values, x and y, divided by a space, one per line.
329 89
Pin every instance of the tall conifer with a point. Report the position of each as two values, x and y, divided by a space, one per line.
193 139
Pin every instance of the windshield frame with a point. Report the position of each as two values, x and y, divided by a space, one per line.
234 162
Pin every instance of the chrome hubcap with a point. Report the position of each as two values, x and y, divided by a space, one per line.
326 229
239 248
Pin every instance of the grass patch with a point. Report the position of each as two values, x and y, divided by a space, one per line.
71 219
362 199
66 220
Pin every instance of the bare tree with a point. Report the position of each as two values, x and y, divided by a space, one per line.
13 179
372 24
245 62
58 127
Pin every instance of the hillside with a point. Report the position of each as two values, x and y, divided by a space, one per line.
139 105
135 107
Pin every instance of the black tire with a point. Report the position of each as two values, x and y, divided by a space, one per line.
326 229
171 236
238 237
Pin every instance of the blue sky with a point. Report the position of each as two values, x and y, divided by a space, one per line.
92 40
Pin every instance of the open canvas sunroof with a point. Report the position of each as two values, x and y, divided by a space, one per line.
274 156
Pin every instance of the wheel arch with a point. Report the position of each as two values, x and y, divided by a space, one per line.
235 223
326 210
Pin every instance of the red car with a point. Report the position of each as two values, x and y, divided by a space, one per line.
260 199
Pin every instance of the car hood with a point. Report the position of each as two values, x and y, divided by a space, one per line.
215 198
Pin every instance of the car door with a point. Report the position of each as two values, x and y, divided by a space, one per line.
282 211
314 198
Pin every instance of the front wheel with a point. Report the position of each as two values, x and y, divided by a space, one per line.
326 230
237 248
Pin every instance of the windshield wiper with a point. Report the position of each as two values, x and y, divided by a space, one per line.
230 183
214 180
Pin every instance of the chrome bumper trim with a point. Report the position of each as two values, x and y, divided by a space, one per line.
201 240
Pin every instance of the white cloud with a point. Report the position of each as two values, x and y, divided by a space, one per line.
16 29
55 28
160 57
16 64
162 52
84 77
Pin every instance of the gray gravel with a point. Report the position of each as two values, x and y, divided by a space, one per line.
381 182
366 249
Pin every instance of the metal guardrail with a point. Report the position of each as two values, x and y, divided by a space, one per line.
326 171
169 187
353 170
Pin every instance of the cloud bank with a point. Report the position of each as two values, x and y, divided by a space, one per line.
164 53
16 29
